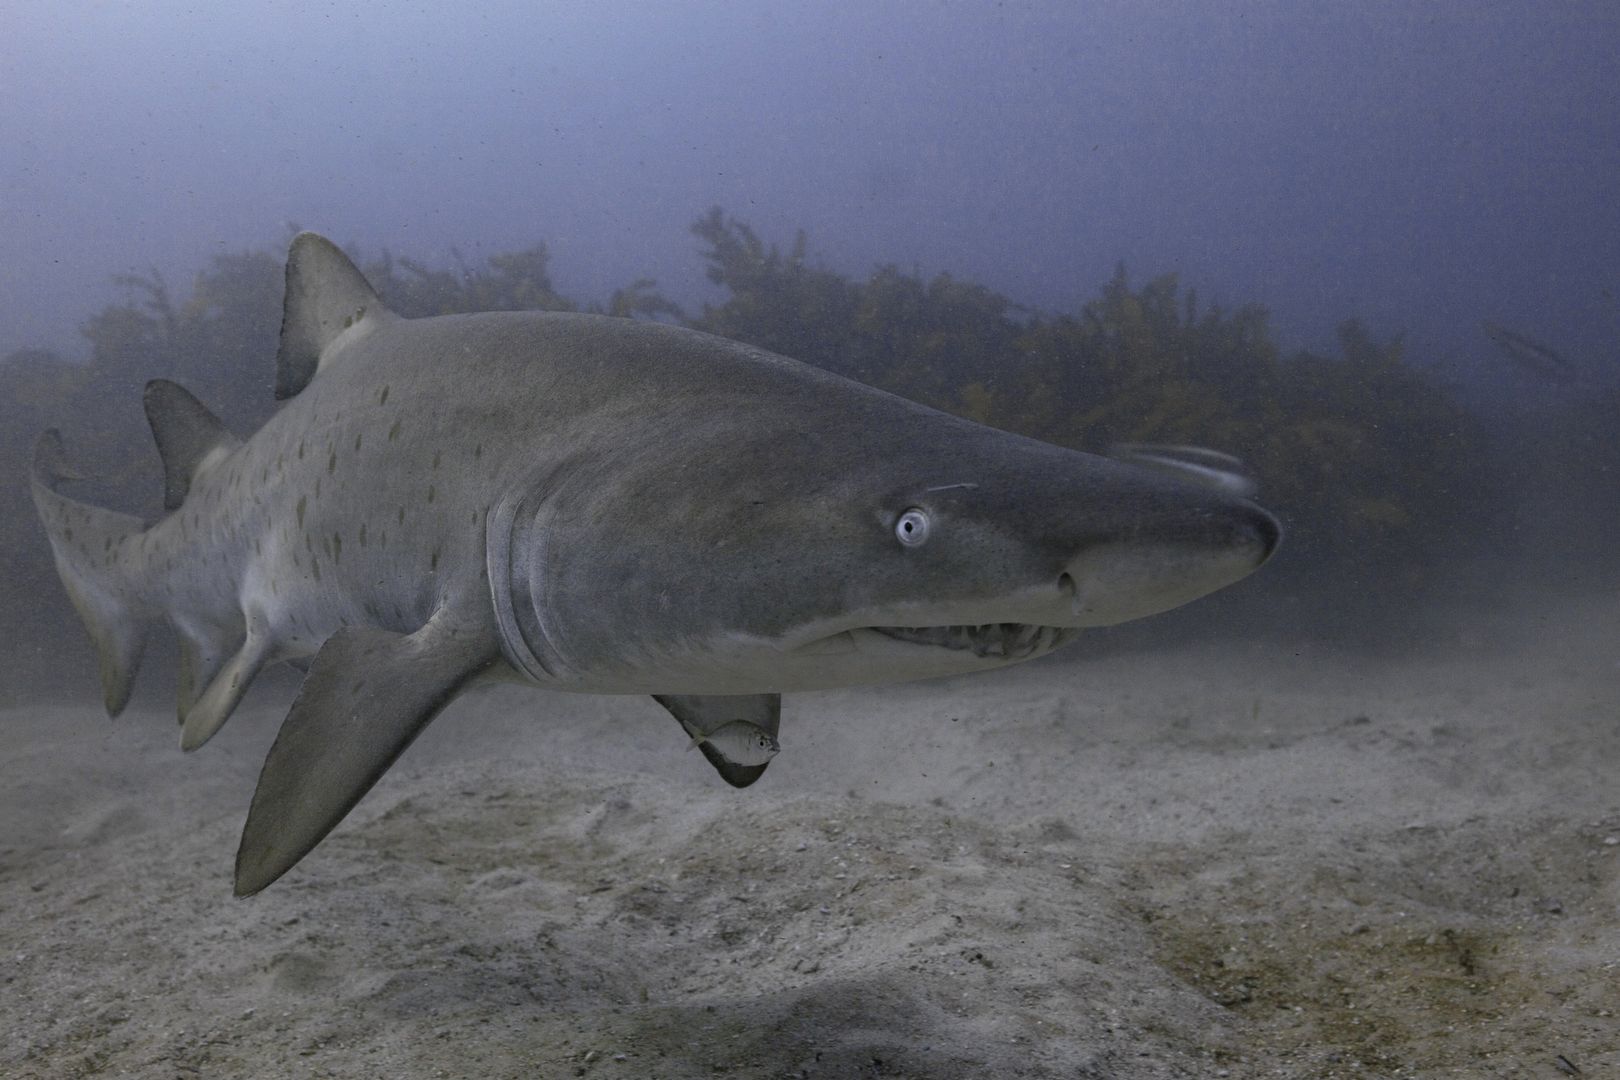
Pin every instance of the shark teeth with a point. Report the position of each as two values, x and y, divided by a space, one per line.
836 645
1005 641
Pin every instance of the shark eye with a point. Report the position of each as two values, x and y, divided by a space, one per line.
912 528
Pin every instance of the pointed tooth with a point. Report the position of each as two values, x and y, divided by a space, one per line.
831 646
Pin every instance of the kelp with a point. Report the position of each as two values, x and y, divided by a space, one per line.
1363 452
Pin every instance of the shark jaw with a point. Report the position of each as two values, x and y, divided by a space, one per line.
1110 584
1006 642
921 640
833 654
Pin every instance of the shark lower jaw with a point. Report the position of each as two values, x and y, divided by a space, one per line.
990 641
1005 642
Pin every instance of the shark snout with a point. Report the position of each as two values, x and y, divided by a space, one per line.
1163 564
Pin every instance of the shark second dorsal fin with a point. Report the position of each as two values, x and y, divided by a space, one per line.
189 438
327 297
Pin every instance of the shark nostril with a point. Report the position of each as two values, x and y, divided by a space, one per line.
1267 530
1071 590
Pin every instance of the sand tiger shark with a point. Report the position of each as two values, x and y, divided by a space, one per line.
591 504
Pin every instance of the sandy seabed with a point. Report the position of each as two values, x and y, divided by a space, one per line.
1236 859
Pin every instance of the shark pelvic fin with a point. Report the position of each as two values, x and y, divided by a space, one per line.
88 544
327 297
699 714
209 712
190 439
366 697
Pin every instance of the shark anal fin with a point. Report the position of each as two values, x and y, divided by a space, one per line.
189 437
203 651
368 694
700 714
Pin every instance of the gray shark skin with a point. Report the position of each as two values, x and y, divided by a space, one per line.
598 505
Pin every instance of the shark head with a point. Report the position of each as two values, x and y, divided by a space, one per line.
841 547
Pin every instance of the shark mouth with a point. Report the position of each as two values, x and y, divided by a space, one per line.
998 641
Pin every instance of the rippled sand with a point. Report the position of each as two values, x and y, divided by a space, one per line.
1234 859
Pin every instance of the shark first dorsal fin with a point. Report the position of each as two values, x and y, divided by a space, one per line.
327 297
190 439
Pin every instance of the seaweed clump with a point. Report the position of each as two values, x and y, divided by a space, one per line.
1365 452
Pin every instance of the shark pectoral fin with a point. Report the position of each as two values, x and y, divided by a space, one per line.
700 714
367 695
209 712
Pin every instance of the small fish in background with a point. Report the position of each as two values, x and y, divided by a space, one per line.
739 742
1211 468
1535 358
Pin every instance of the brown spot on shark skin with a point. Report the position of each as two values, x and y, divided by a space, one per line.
433 563
300 449
337 548
382 398
315 565
393 432
436 455
357 440
402 514
431 492
331 463
362 534
478 451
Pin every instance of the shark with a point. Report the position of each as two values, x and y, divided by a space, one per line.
597 505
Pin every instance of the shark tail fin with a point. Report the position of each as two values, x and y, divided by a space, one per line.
190 439
93 548
327 298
